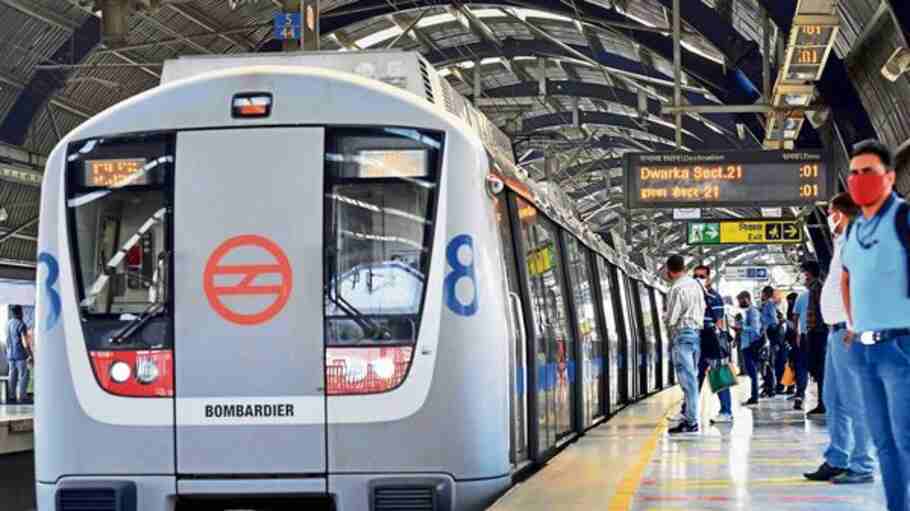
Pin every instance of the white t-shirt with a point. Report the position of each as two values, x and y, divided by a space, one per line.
832 302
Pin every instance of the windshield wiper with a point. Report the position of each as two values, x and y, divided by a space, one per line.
371 327
152 312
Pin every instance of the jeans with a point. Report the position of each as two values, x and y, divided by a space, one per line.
685 352
818 346
850 445
779 350
884 374
802 366
18 379
751 354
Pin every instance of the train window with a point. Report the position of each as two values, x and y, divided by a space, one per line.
119 199
380 208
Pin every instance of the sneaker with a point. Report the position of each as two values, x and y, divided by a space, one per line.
798 404
751 402
683 427
722 418
791 396
790 391
818 410
825 473
678 417
851 477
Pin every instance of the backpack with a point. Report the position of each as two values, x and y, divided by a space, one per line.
902 226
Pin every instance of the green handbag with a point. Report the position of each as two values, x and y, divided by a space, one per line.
721 377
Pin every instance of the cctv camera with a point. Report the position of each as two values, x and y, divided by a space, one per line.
898 64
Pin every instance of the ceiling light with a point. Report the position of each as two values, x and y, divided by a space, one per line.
4 215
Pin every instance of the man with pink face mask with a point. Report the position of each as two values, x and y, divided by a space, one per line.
876 292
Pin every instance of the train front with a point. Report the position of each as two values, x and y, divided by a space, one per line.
243 288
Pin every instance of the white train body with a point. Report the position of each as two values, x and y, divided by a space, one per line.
273 280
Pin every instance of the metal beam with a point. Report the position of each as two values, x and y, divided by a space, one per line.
45 15
211 25
407 30
613 65
54 125
758 108
18 229
677 73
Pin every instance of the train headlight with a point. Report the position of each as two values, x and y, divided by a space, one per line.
383 367
120 372
495 185
146 370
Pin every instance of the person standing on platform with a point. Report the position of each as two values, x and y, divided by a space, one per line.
711 350
848 459
876 292
18 355
791 337
751 340
685 318
816 333
770 325
801 358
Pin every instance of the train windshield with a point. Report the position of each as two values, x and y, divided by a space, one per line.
119 203
381 187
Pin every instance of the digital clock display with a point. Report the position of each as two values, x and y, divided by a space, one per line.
726 179
113 173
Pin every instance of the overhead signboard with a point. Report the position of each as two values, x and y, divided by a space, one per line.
726 179
760 273
772 212
744 232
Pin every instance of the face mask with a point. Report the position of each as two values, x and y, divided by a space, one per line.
866 189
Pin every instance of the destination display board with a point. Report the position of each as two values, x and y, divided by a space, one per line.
744 232
726 179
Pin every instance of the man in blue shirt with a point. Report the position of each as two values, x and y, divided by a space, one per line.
712 351
875 291
17 354
816 333
751 341
771 327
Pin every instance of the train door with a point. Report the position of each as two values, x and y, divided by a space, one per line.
553 352
628 355
631 311
668 370
649 339
587 326
660 334
642 344
518 348
248 268
612 337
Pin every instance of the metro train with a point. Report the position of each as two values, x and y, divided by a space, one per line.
318 280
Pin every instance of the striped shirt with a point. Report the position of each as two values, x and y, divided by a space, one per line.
714 308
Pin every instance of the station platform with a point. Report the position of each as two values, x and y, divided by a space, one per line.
17 464
16 428
631 463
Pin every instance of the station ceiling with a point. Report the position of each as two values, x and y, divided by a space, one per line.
595 57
